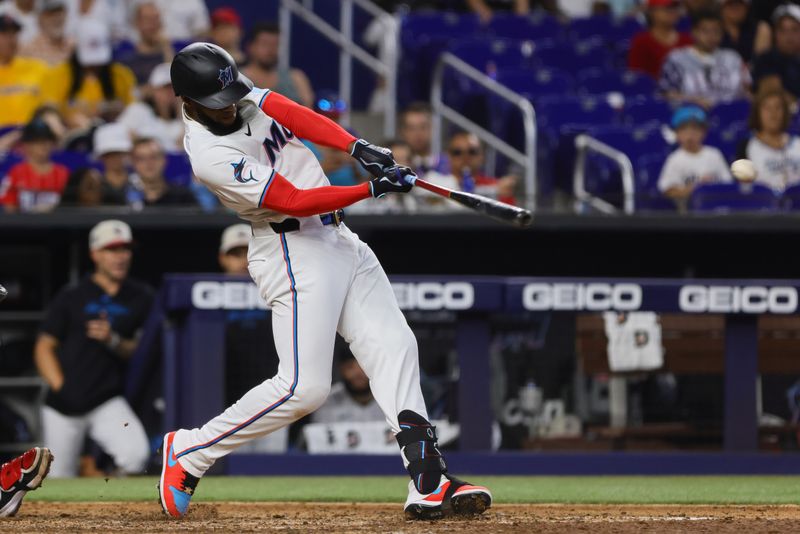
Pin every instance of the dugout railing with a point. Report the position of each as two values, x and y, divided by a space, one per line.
384 66
441 111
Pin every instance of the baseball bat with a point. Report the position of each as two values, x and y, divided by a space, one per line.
496 210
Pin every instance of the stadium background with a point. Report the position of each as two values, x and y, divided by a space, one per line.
675 410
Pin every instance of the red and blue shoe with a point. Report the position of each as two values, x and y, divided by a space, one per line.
452 497
19 476
176 485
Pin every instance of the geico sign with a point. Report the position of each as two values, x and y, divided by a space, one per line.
590 297
226 296
434 295
734 299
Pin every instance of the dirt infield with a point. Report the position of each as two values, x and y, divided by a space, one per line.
39 517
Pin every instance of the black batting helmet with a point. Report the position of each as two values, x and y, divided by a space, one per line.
207 74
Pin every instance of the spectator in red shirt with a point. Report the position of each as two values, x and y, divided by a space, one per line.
36 184
649 48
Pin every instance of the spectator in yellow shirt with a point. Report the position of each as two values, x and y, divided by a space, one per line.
90 85
20 78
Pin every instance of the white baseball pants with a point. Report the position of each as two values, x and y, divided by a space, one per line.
113 425
318 280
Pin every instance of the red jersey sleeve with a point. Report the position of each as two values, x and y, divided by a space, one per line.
304 122
280 195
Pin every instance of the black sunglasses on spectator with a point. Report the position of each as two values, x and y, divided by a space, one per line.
457 152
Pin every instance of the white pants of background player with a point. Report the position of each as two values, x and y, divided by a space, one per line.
112 425
318 280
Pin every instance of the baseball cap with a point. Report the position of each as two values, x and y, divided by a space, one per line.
159 76
7 22
37 130
225 15
110 233
111 138
52 5
94 43
786 10
234 236
662 3
687 114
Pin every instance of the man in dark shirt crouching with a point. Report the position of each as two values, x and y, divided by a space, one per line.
85 341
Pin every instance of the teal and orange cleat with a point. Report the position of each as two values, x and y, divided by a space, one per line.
22 474
453 497
176 485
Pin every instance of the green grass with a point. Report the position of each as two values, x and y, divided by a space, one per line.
622 490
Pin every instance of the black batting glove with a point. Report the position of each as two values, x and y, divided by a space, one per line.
375 159
395 180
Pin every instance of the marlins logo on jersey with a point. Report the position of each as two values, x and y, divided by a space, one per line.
237 173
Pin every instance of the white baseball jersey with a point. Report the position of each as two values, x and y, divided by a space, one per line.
240 167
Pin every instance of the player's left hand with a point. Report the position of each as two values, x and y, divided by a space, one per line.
395 180
375 159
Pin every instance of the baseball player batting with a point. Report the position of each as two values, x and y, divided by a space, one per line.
318 277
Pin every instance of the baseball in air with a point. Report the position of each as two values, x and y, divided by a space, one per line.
3 293
743 170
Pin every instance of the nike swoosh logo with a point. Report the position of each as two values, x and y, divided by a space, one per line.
171 460
248 133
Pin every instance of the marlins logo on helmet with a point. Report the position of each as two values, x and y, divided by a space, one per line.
225 77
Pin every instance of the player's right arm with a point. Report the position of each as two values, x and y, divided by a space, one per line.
244 181
45 352
44 356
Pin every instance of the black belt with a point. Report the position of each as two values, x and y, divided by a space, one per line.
291 225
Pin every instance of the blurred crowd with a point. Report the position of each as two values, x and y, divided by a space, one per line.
88 116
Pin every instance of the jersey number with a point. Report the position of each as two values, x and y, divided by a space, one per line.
279 136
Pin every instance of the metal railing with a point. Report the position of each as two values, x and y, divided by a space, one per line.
348 49
526 159
584 144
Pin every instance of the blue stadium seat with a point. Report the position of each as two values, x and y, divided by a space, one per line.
600 81
647 110
598 26
490 55
535 28
733 197
602 176
556 111
7 161
625 29
428 25
74 160
423 37
790 199
728 139
122 49
604 27
647 170
581 55
728 112
535 83
178 170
